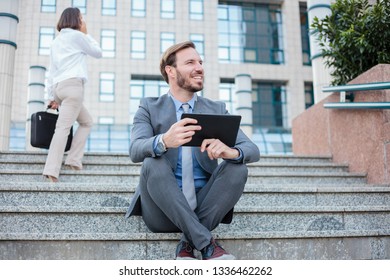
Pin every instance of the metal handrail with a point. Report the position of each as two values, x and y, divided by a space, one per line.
343 89
357 87
358 105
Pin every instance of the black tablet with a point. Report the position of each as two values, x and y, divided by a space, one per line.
222 127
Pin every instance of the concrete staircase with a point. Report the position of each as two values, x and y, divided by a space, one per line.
293 208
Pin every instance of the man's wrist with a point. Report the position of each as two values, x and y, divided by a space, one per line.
162 141
240 156
161 147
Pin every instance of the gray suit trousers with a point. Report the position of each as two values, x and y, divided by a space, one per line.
165 209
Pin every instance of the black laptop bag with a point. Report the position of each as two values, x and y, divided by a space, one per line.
43 125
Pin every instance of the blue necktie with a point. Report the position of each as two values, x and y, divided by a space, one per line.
188 185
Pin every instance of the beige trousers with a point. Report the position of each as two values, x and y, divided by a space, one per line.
70 95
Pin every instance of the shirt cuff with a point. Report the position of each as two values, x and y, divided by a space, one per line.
240 157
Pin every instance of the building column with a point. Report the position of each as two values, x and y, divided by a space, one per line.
243 87
8 23
321 73
36 98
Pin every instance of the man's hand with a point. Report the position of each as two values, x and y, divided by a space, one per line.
180 133
217 149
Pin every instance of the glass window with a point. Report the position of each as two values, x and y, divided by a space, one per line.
138 44
269 105
309 95
81 4
198 40
109 7
223 54
138 8
145 87
106 120
108 38
250 33
305 38
46 36
17 137
196 9
108 137
167 39
227 95
107 87
48 6
167 8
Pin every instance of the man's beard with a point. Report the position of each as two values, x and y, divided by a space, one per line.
181 82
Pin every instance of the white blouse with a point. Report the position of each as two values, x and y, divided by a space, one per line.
68 56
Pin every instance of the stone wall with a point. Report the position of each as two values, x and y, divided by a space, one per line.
360 138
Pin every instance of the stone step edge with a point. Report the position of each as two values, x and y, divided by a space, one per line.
249 188
149 236
129 173
114 154
237 210
250 165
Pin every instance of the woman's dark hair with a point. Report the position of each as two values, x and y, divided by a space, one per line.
70 18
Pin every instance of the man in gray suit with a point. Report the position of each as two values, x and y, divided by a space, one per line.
156 140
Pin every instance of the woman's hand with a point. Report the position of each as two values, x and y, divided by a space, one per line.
83 27
53 105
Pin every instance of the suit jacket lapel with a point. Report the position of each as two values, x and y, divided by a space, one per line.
169 119
198 106
170 110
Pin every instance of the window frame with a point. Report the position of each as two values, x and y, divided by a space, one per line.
106 96
108 10
45 50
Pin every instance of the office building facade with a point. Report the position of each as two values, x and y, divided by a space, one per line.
264 41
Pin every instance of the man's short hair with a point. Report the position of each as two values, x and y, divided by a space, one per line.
169 56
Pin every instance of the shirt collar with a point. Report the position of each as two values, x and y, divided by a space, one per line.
64 30
178 103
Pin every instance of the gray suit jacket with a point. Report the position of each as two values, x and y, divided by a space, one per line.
155 116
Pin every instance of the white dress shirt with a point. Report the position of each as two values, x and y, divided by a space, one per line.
68 56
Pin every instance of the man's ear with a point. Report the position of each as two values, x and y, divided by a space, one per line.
170 70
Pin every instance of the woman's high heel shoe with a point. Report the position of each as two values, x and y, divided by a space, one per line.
73 167
52 179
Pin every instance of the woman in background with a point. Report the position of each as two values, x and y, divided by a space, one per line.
67 76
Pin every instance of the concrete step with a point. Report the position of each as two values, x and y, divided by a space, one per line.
359 244
297 245
127 165
105 195
317 195
292 208
116 177
43 219
114 157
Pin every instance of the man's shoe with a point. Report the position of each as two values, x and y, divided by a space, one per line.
214 251
185 251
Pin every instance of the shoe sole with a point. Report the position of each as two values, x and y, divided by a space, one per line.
186 259
223 257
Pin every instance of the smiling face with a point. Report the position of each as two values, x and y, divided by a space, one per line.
188 73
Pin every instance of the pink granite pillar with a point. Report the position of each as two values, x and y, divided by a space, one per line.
360 138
